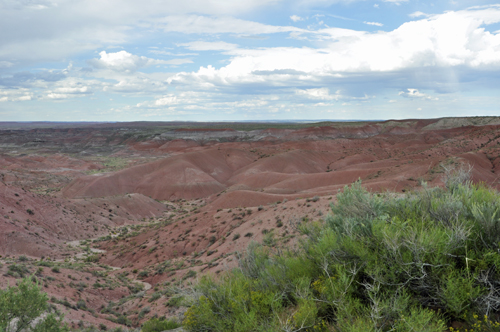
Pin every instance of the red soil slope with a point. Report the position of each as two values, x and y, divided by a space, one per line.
191 175
37 225
394 159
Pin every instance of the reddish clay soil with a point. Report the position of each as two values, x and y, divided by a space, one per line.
394 159
163 206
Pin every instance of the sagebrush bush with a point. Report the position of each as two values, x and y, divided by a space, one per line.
158 325
380 262
24 308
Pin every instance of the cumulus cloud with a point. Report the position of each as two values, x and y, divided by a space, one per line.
166 100
68 92
414 93
319 94
442 41
70 87
21 94
124 61
136 85
417 14
302 66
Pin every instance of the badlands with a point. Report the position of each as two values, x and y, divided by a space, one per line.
116 219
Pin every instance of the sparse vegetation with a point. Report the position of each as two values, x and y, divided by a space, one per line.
17 270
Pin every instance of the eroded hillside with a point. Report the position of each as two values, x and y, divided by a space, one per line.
113 218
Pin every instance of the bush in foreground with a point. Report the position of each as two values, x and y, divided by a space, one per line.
21 309
378 263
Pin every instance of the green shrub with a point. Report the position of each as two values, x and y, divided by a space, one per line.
189 274
18 270
123 320
81 304
25 302
158 325
93 258
459 292
144 311
380 262
45 263
155 296
175 301
135 287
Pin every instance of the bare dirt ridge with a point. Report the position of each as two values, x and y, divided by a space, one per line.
115 218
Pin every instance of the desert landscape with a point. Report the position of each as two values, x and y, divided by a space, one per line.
116 219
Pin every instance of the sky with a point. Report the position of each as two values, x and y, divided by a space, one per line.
228 60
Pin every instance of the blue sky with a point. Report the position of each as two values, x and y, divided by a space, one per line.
216 60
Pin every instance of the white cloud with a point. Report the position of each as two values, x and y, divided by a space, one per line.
69 88
6 64
166 100
76 90
123 61
136 85
213 25
53 30
320 93
417 14
207 102
374 23
396 2
310 70
175 62
52 95
26 4
209 46
160 52
414 93
446 40
21 94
